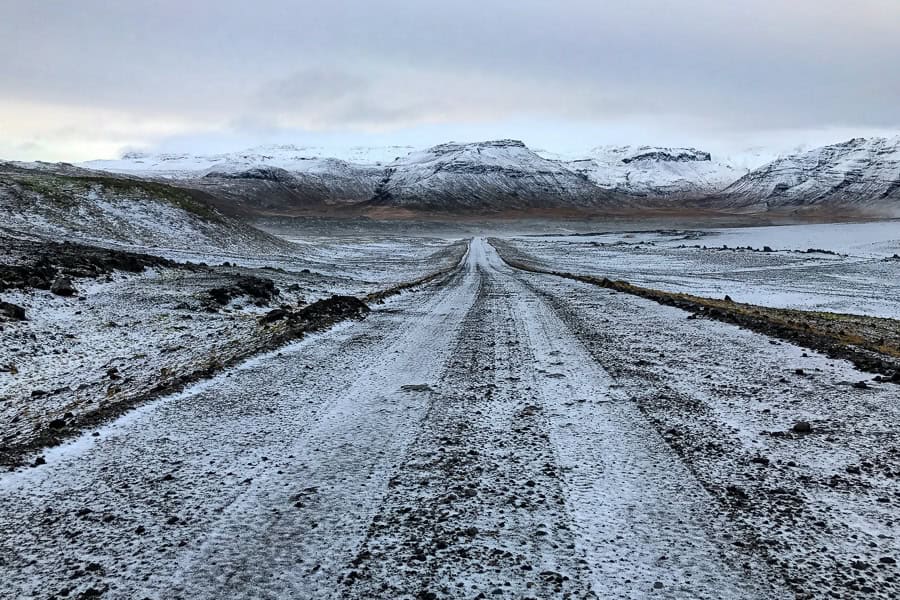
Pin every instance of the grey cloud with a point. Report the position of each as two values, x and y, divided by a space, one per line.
313 87
730 65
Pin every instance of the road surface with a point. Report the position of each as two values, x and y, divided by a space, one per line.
476 438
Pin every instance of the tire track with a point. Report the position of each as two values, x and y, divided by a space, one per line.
478 509
644 523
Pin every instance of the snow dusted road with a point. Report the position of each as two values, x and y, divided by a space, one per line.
468 440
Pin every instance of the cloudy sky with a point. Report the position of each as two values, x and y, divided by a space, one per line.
91 78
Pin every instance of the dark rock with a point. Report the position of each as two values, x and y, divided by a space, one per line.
258 287
40 460
861 385
887 560
12 311
220 295
736 492
416 387
57 423
261 289
274 315
63 287
802 427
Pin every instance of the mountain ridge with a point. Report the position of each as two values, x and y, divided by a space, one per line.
506 175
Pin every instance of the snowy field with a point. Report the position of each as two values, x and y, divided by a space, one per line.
858 272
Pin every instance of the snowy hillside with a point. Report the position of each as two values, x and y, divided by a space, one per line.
294 159
494 175
268 179
858 174
656 172
118 211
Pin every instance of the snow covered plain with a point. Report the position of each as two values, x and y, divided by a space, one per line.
859 272
494 433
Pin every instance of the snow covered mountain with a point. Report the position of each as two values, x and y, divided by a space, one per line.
861 174
654 172
503 175
494 175
294 159
267 179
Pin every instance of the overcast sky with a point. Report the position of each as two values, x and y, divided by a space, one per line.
91 78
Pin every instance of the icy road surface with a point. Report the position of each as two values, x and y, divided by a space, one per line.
496 435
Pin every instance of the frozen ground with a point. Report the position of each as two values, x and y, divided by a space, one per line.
495 434
123 335
862 276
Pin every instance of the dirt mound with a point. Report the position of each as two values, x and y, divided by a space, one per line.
261 289
331 310
319 314
38 265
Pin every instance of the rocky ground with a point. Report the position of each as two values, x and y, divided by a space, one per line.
88 332
497 433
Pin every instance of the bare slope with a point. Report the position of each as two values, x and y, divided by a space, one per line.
62 202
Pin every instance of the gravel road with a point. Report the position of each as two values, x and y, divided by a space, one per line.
497 434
